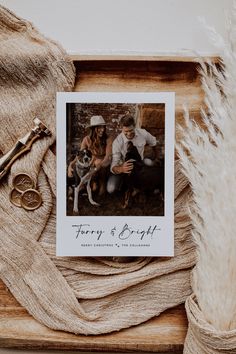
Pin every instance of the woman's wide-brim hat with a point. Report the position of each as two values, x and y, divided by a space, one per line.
96 121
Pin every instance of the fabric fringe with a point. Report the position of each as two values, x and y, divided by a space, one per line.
202 337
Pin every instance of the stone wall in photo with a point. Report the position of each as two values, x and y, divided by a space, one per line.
148 116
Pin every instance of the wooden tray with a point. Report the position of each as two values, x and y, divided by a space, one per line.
18 329
165 333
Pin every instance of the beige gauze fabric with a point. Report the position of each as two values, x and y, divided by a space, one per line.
79 295
202 337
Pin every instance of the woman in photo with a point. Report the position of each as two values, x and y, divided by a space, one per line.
100 145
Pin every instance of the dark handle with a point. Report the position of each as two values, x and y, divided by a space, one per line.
16 149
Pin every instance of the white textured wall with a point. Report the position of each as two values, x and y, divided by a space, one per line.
123 26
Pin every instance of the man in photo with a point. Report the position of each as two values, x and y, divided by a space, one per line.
139 137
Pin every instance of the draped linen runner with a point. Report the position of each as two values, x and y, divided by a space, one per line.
202 337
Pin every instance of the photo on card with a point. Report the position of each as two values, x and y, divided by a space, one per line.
115 174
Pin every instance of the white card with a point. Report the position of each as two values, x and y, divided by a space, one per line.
135 215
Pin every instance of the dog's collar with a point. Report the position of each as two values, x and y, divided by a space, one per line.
81 165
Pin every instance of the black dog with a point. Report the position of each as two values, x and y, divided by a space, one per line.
142 177
133 156
132 153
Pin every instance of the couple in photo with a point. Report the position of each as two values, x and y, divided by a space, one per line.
114 159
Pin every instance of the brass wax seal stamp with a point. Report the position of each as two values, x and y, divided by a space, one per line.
15 197
22 182
31 199
22 146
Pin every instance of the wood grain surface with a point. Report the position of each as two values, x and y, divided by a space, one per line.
138 57
165 333
19 330
146 76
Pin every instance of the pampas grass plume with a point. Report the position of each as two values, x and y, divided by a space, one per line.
209 161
